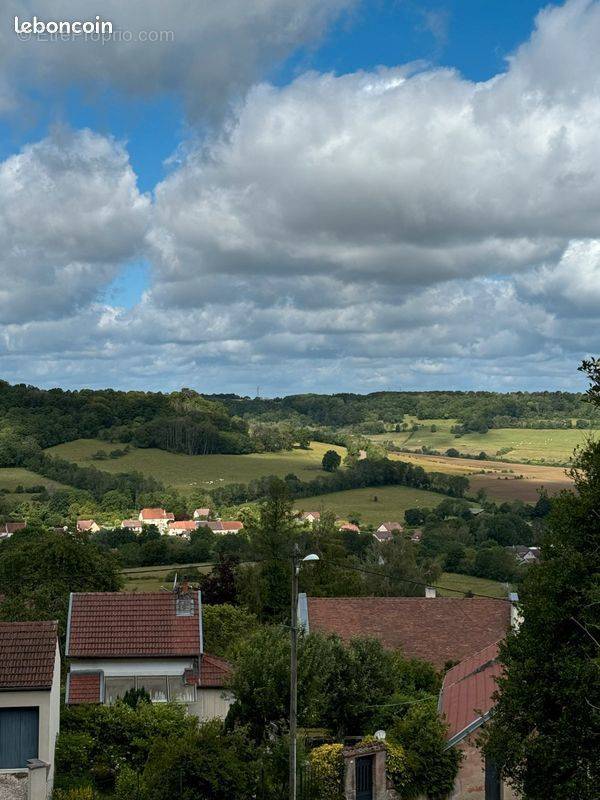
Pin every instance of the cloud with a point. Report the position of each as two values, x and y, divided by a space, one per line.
391 176
210 53
388 229
70 216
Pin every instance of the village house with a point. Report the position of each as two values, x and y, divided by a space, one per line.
390 527
309 516
466 704
156 516
182 528
382 537
201 513
8 528
87 526
525 555
221 526
350 527
29 708
133 525
117 641
436 629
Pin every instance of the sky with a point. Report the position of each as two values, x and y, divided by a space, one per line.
301 195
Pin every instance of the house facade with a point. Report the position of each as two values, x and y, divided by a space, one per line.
117 641
182 528
87 526
29 708
156 516
466 704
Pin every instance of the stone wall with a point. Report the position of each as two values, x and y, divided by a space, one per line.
13 786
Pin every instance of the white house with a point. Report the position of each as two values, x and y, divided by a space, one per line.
156 516
390 527
309 516
87 526
133 525
29 708
118 641
201 513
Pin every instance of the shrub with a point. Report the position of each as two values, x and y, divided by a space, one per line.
327 765
84 792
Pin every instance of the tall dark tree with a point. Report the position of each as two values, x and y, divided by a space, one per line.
545 733
331 461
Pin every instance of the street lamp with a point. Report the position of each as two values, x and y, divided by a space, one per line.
297 561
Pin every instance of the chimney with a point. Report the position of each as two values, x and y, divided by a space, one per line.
430 592
184 600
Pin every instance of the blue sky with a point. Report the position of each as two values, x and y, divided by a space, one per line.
220 206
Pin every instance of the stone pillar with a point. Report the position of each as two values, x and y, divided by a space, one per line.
377 751
37 785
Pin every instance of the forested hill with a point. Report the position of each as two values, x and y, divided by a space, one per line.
475 410
182 421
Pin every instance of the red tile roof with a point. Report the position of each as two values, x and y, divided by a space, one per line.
437 630
85 524
155 513
214 671
27 654
232 526
115 624
12 527
202 512
83 687
183 525
466 696
131 523
349 526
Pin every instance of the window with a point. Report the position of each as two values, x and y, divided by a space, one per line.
179 690
156 686
18 736
160 688
116 687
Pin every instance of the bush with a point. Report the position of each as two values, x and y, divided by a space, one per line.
73 751
327 766
84 792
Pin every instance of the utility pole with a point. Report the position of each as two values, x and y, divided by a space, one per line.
296 562
294 671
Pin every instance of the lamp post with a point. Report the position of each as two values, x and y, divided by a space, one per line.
296 563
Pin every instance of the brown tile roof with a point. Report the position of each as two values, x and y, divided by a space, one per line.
131 523
27 654
437 630
392 526
383 536
84 524
214 671
83 687
466 696
202 512
114 624
349 526
12 527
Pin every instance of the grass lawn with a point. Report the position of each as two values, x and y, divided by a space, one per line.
542 446
465 583
190 473
392 501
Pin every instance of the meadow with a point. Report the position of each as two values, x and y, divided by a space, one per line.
372 505
11 477
545 446
153 579
464 583
192 473
501 480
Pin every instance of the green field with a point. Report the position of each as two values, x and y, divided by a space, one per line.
521 444
153 579
465 583
391 503
190 473
11 477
